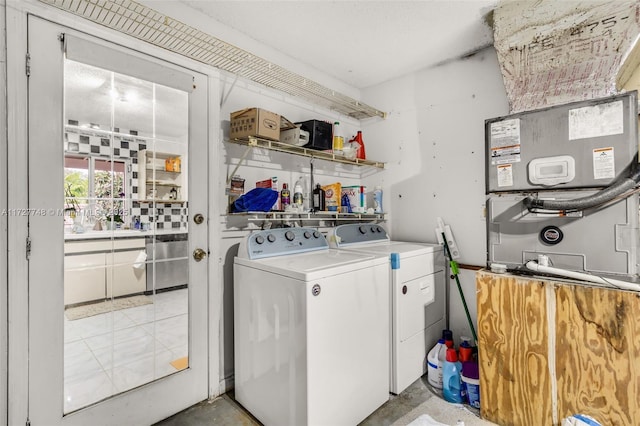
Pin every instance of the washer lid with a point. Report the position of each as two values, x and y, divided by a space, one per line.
314 265
404 249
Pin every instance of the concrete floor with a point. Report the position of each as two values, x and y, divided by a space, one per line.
225 411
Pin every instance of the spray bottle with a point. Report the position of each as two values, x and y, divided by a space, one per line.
358 139
298 197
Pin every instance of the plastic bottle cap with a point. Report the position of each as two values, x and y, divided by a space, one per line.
470 370
447 334
452 355
465 353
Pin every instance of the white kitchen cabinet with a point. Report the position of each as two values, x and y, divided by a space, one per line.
84 278
100 269
122 277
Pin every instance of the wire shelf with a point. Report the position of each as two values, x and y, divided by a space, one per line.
144 23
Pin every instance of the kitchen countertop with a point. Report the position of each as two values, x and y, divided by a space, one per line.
121 233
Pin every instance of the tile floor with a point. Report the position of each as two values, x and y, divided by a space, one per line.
109 353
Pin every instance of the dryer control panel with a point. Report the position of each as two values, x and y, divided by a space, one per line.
281 241
357 233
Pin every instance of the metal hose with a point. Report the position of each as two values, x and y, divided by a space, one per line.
578 204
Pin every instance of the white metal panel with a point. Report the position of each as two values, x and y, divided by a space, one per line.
318 359
351 316
313 265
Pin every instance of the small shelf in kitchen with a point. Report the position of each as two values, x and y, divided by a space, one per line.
159 201
160 177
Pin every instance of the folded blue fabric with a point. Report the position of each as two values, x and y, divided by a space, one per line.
256 200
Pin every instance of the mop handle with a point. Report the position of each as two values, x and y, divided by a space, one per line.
454 272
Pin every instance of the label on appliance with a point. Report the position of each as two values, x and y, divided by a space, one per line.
596 121
505 175
604 166
505 141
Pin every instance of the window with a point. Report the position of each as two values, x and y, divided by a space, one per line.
96 189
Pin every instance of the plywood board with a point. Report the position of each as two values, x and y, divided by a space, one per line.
550 349
513 350
598 353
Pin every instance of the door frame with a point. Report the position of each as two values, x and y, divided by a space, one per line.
15 182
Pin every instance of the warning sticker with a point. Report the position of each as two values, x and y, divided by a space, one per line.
596 121
604 163
505 175
504 141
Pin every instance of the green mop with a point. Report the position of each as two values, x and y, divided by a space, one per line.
454 274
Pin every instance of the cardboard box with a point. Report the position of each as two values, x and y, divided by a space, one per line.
357 198
296 136
254 122
257 122
332 194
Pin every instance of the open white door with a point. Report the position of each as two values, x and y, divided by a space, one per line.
117 268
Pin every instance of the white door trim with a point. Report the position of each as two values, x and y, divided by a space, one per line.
16 183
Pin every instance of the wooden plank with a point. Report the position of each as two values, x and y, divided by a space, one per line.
515 384
597 353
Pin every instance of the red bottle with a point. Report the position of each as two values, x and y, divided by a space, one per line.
358 139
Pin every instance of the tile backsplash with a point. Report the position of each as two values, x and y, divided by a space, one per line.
125 145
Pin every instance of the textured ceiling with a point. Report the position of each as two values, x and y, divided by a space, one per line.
362 43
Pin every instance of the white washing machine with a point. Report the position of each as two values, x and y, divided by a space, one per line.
418 295
311 327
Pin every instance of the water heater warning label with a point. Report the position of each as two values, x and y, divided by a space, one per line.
604 166
505 141
505 175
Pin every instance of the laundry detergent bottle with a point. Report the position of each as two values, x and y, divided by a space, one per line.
434 365
451 380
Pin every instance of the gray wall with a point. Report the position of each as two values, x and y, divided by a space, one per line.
433 143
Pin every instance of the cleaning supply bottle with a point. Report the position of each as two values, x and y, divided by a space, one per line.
285 197
447 336
470 377
338 138
434 366
451 381
377 199
306 194
318 202
358 139
274 186
298 198
465 350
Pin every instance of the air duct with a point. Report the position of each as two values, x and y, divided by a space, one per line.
555 52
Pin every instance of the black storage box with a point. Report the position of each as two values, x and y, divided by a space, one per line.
320 134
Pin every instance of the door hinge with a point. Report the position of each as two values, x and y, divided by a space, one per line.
28 248
28 65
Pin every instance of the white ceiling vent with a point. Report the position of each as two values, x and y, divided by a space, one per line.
146 24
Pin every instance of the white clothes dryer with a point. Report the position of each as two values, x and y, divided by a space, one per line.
311 328
418 295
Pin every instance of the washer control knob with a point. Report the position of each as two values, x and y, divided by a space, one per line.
259 239
316 234
289 235
271 238
378 229
362 229
307 234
